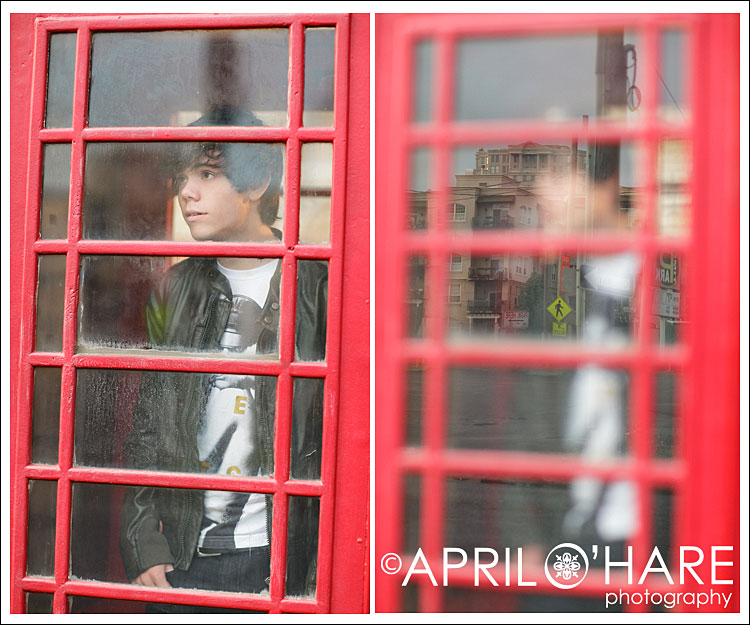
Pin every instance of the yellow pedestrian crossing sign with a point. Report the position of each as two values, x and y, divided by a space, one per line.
559 309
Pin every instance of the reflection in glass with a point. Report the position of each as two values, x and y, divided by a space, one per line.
62 57
45 419
116 312
665 400
40 555
574 75
96 522
50 299
559 297
132 189
419 185
55 187
197 71
302 547
319 76
673 175
312 310
534 410
130 418
316 178
416 297
670 313
535 185
423 80
307 428
39 602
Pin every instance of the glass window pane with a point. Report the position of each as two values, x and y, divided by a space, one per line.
419 188
307 428
40 555
315 192
319 76
670 311
560 297
194 305
673 177
45 421
197 71
674 105
101 512
55 191
175 421
302 547
39 602
416 297
184 191
102 605
414 400
312 310
582 411
665 409
537 185
423 80
412 501
62 57
50 300
574 76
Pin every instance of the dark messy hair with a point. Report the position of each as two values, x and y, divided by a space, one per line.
246 165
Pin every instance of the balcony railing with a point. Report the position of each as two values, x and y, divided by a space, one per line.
486 273
483 307
492 223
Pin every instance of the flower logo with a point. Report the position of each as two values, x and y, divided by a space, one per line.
568 567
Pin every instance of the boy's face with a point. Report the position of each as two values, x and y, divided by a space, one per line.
213 209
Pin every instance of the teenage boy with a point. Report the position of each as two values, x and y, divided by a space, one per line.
220 540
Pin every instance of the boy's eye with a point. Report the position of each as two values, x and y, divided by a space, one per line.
207 175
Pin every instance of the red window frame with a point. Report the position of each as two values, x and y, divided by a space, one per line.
344 482
704 473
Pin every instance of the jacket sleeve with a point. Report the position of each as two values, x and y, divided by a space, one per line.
142 545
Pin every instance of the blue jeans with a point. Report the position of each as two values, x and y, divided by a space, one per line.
246 571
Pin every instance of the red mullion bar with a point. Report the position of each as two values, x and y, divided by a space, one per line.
55 135
70 318
335 303
642 373
197 20
390 266
485 243
21 428
193 248
433 494
188 133
532 466
472 133
537 354
473 25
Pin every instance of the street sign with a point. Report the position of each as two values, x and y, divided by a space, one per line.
559 309
559 329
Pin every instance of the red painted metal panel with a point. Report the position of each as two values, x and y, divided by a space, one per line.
349 206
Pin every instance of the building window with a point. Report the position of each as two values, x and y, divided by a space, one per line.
456 262
454 293
458 212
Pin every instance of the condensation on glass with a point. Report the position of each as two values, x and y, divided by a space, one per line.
95 528
45 416
302 546
122 299
312 306
60 72
133 190
583 74
39 602
581 411
197 71
117 413
307 428
55 191
40 554
555 298
316 181
319 76
50 300
423 90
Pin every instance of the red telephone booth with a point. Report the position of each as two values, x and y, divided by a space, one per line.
557 340
99 102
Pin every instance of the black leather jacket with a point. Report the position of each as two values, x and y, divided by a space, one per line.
189 309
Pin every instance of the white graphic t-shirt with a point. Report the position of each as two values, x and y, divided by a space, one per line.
226 435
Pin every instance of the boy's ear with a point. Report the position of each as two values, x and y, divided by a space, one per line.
254 194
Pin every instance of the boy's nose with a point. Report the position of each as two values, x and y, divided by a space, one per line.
189 190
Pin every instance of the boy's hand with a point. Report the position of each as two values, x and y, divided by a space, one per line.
155 576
